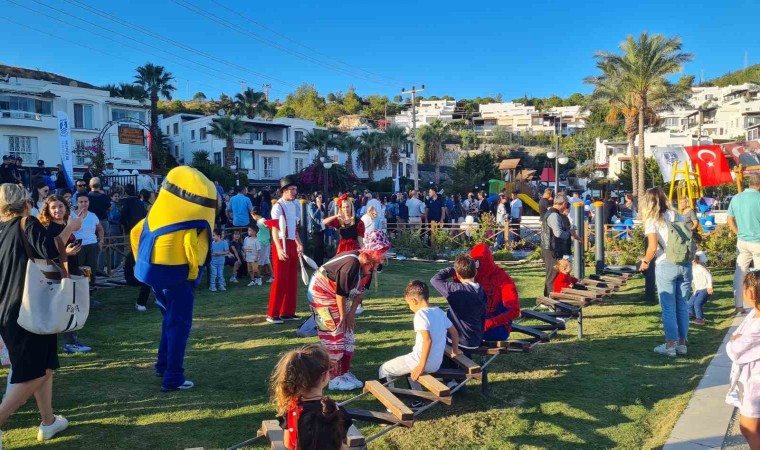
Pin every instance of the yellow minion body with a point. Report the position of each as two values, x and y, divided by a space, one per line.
173 241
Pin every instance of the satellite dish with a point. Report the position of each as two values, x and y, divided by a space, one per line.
221 112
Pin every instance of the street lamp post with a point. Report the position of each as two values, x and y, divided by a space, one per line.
558 160
413 91
326 163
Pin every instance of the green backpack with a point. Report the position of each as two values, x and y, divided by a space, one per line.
681 247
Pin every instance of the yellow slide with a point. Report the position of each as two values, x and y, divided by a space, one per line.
529 202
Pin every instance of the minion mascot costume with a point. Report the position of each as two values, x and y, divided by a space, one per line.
172 244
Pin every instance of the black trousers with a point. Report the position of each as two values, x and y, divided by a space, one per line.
551 273
319 247
142 297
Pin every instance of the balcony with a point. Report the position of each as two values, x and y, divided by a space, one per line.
257 144
27 119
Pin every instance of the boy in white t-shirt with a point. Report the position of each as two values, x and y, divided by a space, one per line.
431 325
251 249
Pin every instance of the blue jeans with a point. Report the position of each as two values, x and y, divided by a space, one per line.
696 302
217 274
673 287
499 241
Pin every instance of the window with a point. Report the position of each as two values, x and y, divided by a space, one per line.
202 133
167 130
25 107
271 164
176 150
672 121
176 129
192 135
299 164
218 158
83 116
245 159
80 150
23 146
121 113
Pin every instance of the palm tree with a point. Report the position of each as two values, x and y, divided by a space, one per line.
642 67
319 140
396 137
227 128
251 104
200 158
610 92
373 153
434 135
155 81
126 90
348 144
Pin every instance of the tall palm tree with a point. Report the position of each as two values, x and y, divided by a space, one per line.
434 135
319 140
156 82
373 153
396 137
251 104
348 144
612 93
642 67
127 90
228 128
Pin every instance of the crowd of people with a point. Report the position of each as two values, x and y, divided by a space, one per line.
256 233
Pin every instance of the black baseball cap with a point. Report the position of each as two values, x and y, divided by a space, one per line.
40 162
6 157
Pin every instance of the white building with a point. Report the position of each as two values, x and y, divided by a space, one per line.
29 126
520 119
426 112
271 150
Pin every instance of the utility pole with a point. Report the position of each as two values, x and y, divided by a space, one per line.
242 86
413 92
266 90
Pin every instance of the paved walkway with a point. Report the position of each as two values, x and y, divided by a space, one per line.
707 421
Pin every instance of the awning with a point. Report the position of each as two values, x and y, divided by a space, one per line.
547 174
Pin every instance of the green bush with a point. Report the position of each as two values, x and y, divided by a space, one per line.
720 246
225 177
410 243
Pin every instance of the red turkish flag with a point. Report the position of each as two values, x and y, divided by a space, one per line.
713 167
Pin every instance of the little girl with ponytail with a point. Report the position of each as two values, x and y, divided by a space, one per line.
309 420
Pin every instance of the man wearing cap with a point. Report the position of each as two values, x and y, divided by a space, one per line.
286 249
6 171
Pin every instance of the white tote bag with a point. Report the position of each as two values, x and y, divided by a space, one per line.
53 301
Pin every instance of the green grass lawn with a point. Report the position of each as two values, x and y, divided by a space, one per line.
607 390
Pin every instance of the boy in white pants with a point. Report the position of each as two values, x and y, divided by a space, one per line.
252 248
431 325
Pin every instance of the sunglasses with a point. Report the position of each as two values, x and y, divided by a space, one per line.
81 185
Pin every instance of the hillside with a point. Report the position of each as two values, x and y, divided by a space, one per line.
22 72
751 73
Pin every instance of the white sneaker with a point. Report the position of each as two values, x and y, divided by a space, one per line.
213 289
270 280
233 279
140 308
259 282
222 288
663 349
48 431
252 283
359 310
351 378
340 384
681 350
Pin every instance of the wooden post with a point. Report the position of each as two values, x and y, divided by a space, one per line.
432 235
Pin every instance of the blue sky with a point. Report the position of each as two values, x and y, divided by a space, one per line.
455 48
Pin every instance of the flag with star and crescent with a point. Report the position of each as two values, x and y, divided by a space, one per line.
713 166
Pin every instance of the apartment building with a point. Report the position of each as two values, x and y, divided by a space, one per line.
521 119
426 112
29 124
271 149
727 112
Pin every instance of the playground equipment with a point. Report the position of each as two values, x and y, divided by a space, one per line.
532 328
689 187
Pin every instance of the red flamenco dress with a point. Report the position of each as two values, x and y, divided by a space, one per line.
349 235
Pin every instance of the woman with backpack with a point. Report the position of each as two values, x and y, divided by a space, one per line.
670 245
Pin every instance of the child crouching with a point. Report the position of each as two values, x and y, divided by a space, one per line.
430 326
564 278
701 280
309 420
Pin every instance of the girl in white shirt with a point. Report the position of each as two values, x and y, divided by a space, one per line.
702 288
673 280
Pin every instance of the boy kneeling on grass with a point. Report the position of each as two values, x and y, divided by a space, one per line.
431 325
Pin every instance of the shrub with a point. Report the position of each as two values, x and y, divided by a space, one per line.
410 244
720 246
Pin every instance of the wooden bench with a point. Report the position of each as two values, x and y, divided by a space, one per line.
462 361
430 383
390 401
274 434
